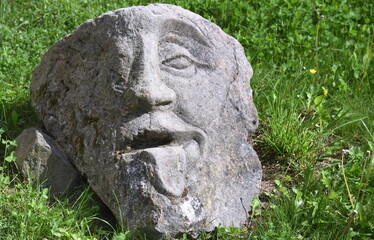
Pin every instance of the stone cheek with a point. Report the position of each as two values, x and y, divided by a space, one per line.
153 106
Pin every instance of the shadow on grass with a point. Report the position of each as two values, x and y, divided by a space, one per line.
16 116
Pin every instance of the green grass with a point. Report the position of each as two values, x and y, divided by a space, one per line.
316 128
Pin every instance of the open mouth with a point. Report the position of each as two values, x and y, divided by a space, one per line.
150 139
159 130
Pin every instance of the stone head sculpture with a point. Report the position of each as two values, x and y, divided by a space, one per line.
153 106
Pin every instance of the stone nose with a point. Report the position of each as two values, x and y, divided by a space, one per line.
148 87
152 91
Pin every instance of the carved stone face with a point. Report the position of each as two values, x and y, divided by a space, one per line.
153 106
174 90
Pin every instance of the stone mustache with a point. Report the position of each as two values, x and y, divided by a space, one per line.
152 105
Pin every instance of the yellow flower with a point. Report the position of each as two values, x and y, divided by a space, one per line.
312 71
325 92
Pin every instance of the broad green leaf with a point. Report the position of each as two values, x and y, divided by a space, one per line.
333 195
318 100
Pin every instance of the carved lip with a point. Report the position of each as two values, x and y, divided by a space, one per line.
160 129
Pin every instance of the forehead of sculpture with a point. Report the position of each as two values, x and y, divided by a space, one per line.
159 20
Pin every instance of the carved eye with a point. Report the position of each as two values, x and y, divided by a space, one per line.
180 65
178 62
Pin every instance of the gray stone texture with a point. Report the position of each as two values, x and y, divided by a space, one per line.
41 160
154 108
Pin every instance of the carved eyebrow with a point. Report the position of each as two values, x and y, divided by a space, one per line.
184 29
175 37
181 51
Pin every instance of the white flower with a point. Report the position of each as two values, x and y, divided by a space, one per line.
345 151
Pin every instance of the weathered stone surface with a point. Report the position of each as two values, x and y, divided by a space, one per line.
153 105
40 159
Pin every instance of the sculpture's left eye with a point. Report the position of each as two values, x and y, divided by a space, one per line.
178 62
182 65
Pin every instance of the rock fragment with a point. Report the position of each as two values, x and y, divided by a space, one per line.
41 160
